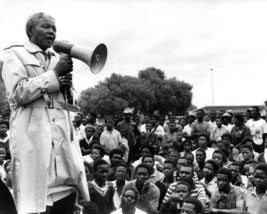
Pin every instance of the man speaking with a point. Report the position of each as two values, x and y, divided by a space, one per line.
46 160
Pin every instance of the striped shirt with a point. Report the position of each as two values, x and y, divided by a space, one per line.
198 192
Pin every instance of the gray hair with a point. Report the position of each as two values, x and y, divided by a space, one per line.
33 21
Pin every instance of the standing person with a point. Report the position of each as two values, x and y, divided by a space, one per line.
217 131
226 120
255 199
239 130
79 127
200 126
258 129
110 138
212 117
131 132
46 160
188 128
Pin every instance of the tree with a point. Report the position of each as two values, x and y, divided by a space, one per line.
149 91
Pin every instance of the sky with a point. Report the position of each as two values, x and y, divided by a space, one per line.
217 46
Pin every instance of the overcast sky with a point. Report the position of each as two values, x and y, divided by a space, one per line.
185 39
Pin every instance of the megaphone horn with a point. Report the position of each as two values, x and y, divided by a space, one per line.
95 58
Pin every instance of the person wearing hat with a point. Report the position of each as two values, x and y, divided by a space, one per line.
87 143
188 127
131 132
226 120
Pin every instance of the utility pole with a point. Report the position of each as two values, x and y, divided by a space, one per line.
212 90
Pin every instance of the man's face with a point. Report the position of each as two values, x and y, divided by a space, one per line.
254 113
128 199
260 179
212 114
172 127
190 158
181 162
172 118
95 154
226 141
109 124
174 156
185 173
199 115
89 132
101 173
120 173
208 171
188 208
77 118
145 151
127 116
44 33
200 158
223 182
218 158
202 142
3 129
116 159
2 154
182 190
250 174
142 174
187 147
235 171
168 170
246 153
149 161
153 120
218 122
149 127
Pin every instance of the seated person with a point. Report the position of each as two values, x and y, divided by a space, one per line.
192 206
237 178
175 201
148 193
169 168
89 140
155 174
97 152
226 198
128 202
186 174
101 192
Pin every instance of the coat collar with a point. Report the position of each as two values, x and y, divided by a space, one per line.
32 48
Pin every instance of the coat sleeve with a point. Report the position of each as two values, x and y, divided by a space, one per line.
24 85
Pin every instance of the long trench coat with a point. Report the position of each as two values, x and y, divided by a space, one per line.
43 155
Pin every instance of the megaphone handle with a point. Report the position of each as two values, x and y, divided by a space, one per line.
67 107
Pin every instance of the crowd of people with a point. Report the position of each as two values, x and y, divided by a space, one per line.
199 163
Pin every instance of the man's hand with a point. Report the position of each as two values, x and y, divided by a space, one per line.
64 65
66 80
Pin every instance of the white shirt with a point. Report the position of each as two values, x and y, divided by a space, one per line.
257 129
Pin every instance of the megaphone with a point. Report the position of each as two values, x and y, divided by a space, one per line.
95 58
